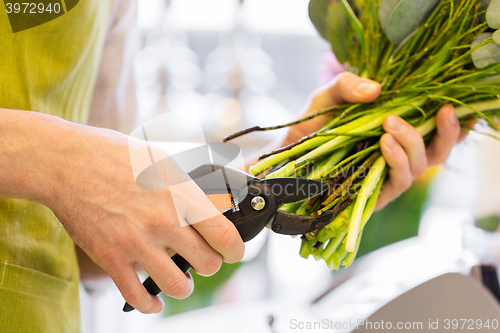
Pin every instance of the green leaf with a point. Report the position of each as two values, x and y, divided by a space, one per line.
496 36
384 12
493 14
353 19
406 17
338 31
318 11
487 54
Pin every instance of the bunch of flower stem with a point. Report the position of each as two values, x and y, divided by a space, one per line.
432 67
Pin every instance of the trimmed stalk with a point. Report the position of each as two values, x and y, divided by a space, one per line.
369 184
367 213
306 248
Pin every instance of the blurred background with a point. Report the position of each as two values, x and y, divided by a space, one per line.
242 63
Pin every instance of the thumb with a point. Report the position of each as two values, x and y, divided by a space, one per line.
346 87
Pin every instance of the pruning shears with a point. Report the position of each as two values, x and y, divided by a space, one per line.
255 206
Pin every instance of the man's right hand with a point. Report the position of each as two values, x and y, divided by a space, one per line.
84 175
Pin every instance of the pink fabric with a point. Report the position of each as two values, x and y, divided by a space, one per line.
329 67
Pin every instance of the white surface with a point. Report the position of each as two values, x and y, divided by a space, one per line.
269 16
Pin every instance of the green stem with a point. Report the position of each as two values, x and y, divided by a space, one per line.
369 184
333 245
306 248
367 213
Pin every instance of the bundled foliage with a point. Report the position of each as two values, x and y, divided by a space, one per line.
425 53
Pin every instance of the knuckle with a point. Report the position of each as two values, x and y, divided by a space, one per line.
400 160
420 168
156 221
419 163
109 256
212 265
228 239
177 287
344 79
136 300
414 139
438 158
406 183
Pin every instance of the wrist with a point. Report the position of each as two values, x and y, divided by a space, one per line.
30 155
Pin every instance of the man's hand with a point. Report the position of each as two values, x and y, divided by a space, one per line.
84 175
401 145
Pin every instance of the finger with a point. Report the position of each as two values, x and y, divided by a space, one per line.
447 134
133 292
169 278
217 230
411 141
192 247
345 87
223 237
464 133
193 206
400 177
353 89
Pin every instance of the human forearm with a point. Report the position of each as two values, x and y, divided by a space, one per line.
28 154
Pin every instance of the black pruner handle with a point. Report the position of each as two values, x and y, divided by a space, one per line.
151 286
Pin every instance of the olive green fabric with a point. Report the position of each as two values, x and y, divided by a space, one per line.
50 68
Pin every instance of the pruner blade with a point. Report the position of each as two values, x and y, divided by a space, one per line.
293 224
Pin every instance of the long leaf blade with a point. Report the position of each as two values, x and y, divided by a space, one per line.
338 31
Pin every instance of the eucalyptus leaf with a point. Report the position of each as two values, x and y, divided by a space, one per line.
496 36
493 14
406 17
384 12
338 31
487 54
318 12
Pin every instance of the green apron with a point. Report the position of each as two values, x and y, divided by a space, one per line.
48 68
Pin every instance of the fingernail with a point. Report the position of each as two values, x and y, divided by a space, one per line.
390 142
161 308
395 123
452 118
366 88
189 289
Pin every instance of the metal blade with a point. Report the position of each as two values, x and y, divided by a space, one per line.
290 190
218 179
293 224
